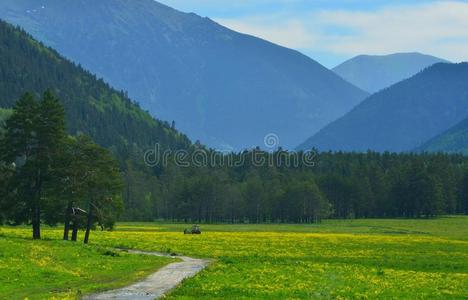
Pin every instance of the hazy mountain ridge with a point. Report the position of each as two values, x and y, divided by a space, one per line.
402 117
225 88
373 73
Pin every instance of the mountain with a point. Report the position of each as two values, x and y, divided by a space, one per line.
402 117
454 140
224 88
373 73
92 106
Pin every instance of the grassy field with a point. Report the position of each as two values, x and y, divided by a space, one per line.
63 270
356 259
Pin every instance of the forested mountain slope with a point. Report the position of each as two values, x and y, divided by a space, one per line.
224 88
402 117
454 140
373 73
92 106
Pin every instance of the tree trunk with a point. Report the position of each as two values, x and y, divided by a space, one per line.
89 223
74 231
36 213
232 211
36 229
36 221
66 228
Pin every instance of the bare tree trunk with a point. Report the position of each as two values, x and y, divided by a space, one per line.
36 213
66 228
89 223
36 229
74 231
36 221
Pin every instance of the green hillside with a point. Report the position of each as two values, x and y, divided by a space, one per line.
92 107
454 140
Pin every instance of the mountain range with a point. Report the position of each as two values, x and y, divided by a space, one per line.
373 73
403 116
227 89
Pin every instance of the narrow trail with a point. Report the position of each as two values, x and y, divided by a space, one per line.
158 283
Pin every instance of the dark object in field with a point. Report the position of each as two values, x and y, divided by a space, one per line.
195 230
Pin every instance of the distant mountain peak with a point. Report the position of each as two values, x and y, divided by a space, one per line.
403 116
396 54
373 73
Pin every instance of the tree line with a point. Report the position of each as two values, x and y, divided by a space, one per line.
338 185
49 177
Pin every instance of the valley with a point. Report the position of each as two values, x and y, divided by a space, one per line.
238 150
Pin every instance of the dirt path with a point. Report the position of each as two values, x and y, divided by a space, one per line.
157 284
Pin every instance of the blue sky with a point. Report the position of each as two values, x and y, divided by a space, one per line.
333 31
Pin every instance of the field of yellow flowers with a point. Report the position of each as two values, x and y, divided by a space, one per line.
360 259
54 269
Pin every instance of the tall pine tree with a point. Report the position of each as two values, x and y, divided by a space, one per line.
33 139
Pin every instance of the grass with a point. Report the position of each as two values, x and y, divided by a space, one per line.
449 227
64 270
353 259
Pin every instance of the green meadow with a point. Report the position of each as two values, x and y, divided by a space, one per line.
54 269
338 259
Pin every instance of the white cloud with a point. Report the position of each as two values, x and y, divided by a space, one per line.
437 28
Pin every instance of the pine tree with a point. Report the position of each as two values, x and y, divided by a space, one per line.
102 185
20 148
67 189
34 134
